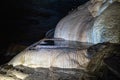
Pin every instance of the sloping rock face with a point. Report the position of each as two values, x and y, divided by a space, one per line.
98 68
106 27
102 62
81 25
75 25
98 6
59 59
72 54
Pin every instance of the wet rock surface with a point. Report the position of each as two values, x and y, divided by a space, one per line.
81 26
49 52
106 26
99 68
99 60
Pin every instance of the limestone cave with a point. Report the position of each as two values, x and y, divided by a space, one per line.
60 40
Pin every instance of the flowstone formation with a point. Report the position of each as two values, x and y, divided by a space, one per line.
50 53
98 6
81 25
106 27
99 68
73 53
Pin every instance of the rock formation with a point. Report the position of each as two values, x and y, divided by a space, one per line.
98 6
81 25
64 56
106 27
72 54
98 67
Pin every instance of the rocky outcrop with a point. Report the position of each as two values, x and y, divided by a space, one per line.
98 67
68 56
50 53
81 25
98 6
106 27
76 25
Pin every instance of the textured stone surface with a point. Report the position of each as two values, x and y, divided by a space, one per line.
72 54
79 25
107 26
39 73
75 25
97 69
98 6
60 60
102 68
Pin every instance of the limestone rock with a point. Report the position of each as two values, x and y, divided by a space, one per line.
106 27
65 57
75 26
54 53
98 6
97 68
79 25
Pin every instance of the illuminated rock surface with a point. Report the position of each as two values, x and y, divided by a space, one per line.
75 26
59 59
97 69
98 6
79 25
48 53
106 27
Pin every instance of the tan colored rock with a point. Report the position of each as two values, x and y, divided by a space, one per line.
4 77
78 26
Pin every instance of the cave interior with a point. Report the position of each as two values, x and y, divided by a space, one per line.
23 22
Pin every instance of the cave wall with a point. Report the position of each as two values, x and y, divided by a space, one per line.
81 26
